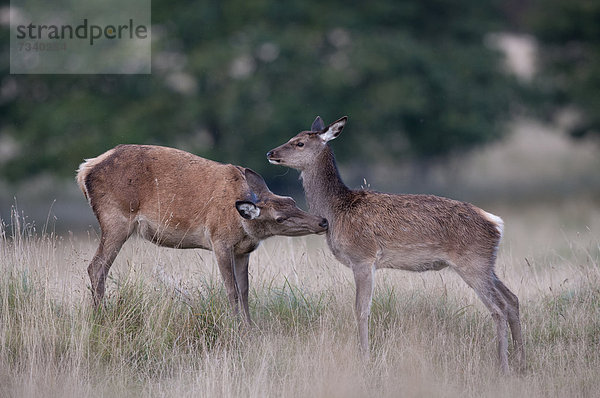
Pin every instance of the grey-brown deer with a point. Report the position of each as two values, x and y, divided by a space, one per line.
370 230
176 199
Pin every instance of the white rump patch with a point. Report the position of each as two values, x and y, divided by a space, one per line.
82 172
85 168
497 221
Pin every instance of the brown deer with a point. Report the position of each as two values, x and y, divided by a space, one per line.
370 230
176 199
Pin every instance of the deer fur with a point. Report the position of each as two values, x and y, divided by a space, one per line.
176 199
370 230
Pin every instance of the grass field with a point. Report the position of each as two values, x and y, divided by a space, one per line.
165 329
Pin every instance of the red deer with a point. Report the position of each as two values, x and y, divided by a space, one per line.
176 199
369 230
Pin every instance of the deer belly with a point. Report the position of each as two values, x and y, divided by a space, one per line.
174 235
410 260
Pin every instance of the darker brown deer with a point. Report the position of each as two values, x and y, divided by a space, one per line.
176 199
370 230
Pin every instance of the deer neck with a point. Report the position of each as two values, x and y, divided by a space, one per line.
255 230
323 185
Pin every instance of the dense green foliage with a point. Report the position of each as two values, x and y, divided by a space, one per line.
231 79
569 36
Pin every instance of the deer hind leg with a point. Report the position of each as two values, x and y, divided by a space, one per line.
364 279
114 234
484 285
513 321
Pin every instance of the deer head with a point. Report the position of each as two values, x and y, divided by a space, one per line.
266 214
303 149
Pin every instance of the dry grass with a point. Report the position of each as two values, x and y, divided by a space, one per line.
165 330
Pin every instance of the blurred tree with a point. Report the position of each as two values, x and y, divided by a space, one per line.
233 78
568 33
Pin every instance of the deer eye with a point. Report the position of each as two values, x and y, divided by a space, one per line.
300 144
280 220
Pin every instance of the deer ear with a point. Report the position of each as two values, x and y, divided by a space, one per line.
256 183
317 125
247 209
334 129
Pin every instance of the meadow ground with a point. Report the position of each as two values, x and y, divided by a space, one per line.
164 330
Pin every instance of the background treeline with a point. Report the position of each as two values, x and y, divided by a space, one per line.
233 78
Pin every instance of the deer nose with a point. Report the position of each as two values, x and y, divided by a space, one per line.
323 223
269 154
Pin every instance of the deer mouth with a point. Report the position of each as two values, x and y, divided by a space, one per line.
272 159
